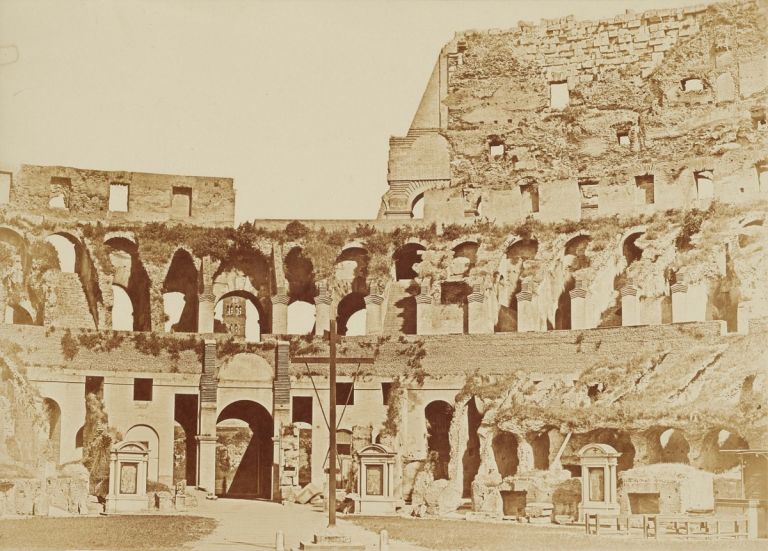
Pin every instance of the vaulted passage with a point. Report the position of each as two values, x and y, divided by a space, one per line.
505 452
239 314
131 277
405 257
251 264
438 416
244 455
299 273
713 457
351 315
180 294
352 267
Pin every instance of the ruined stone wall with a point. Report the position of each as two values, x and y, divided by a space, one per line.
73 194
539 110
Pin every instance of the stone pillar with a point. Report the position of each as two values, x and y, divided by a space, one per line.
630 307
526 311
322 310
206 425
280 314
423 314
478 319
679 303
206 304
283 484
579 306
373 314
525 461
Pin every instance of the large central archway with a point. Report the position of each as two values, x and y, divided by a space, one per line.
244 465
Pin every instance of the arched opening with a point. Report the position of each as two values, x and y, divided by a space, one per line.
405 257
464 257
238 314
122 309
522 249
180 294
352 266
674 447
618 439
575 254
74 258
301 318
299 273
351 315
18 315
417 207
147 436
630 249
244 452
66 251
504 446
454 295
53 414
438 415
131 275
249 262
712 456
539 442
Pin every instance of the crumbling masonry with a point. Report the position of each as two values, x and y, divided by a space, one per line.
590 267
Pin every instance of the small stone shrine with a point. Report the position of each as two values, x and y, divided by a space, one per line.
375 481
598 480
127 478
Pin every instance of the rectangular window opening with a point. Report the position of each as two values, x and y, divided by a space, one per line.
705 187
181 202
530 193
60 191
645 189
559 97
386 393
118 197
301 410
589 195
142 390
345 394
623 138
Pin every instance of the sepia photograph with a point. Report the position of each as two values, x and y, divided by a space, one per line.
383 275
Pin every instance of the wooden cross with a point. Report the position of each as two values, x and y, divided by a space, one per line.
331 360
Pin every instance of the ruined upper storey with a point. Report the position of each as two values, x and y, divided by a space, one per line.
571 119
63 194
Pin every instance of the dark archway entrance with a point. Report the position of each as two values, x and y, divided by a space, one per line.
244 451
438 415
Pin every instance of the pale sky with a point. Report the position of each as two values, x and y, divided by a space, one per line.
294 100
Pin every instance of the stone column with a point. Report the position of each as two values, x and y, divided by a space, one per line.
206 423
526 312
322 310
206 304
423 314
579 306
679 303
373 314
630 307
280 314
478 320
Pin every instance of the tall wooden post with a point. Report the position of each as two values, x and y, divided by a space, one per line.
332 428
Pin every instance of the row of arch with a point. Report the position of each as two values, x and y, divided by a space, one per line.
659 445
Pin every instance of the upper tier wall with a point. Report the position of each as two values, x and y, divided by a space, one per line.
73 194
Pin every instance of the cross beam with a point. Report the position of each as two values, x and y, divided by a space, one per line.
331 360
